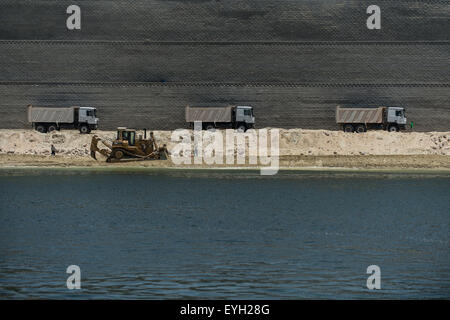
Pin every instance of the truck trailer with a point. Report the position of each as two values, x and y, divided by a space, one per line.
47 119
361 119
234 117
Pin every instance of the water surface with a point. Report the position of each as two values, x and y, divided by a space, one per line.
223 234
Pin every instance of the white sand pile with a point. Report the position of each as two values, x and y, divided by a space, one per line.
292 142
324 142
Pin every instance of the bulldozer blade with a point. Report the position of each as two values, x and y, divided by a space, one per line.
95 148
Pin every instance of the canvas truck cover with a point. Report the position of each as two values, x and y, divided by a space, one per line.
359 115
209 114
54 115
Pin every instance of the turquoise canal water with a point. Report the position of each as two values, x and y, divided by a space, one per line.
223 234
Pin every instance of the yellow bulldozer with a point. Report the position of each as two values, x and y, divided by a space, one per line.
128 146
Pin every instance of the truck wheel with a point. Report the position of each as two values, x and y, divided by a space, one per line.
84 129
241 128
348 128
51 128
393 128
41 128
360 128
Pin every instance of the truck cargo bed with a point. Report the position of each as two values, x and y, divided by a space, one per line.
209 114
51 115
359 115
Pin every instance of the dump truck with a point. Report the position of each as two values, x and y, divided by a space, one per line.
47 119
361 119
234 117
129 146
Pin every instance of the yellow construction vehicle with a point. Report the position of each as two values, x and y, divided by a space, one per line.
128 146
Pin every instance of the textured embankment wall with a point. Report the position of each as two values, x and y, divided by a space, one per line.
140 62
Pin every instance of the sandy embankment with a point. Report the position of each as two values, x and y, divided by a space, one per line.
298 148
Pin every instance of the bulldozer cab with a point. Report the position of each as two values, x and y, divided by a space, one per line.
124 134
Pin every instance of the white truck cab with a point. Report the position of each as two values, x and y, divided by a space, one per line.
245 114
88 115
396 115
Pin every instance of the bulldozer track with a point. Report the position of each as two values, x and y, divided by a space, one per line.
134 157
